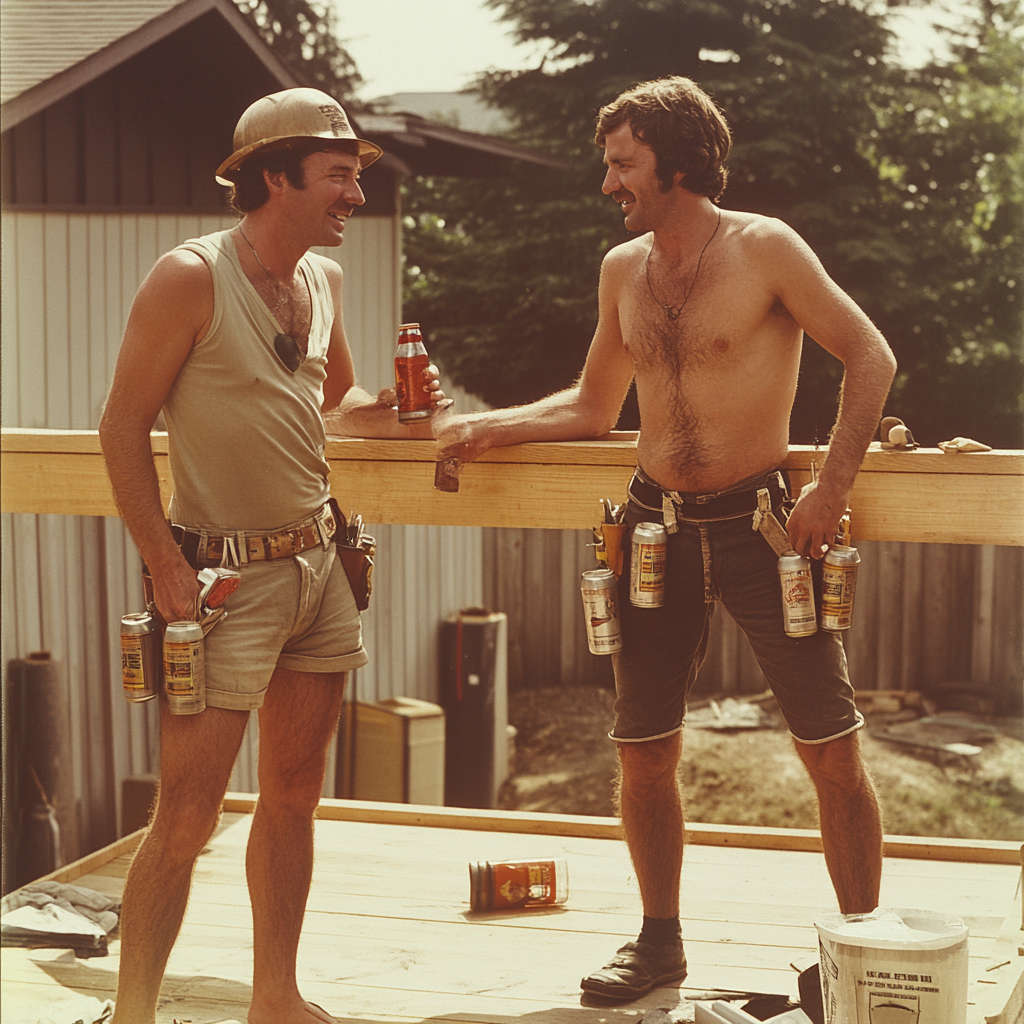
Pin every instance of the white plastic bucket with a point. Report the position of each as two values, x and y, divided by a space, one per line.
893 967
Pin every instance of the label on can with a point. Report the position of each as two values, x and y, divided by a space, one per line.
516 884
184 668
181 665
140 663
133 670
797 596
838 588
600 611
647 571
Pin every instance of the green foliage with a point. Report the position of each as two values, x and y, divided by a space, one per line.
950 149
302 34
906 184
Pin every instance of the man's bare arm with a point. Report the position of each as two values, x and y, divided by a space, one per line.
837 323
171 311
588 409
348 409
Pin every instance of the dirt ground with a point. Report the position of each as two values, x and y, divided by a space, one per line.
565 763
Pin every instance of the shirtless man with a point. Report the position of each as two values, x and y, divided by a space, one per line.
238 337
707 310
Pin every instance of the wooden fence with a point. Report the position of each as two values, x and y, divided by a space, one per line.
927 615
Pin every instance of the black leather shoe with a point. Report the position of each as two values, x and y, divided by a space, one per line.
637 968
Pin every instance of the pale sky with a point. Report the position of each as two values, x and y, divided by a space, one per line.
440 45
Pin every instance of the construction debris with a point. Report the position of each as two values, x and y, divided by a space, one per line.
963 444
729 714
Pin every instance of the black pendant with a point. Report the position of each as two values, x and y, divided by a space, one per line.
288 351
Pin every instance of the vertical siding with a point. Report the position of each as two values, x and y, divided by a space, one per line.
68 284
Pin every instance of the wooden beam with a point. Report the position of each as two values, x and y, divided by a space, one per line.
921 495
985 851
90 862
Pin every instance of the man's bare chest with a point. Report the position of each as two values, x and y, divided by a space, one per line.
291 306
725 316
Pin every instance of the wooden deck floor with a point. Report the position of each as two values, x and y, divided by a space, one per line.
388 935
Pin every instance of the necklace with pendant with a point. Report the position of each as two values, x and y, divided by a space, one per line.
674 312
270 277
286 347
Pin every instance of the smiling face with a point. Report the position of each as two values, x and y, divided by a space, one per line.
632 182
330 195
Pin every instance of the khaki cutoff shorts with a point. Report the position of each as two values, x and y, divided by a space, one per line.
294 613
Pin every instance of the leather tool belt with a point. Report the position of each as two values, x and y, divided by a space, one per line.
733 504
202 548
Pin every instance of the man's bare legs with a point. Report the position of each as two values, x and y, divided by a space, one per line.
298 718
197 753
652 818
851 823
851 828
651 808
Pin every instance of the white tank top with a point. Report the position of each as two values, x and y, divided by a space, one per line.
245 435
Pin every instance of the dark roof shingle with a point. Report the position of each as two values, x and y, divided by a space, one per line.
40 39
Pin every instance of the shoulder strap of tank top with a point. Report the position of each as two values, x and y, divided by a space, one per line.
211 249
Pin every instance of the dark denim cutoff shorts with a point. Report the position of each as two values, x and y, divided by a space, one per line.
663 648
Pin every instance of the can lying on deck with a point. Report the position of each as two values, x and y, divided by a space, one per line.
517 884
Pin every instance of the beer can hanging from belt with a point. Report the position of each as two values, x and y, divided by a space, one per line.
798 616
184 668
647 569
839 581
517 884
411 360
140 657
600 611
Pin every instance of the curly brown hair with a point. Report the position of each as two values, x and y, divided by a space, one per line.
249 192
681 124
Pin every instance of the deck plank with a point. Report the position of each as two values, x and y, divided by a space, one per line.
388 935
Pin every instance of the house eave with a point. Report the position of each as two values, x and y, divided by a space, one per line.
414 131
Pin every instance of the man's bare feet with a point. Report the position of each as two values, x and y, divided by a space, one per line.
302 1012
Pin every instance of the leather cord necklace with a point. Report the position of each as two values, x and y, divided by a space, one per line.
674 312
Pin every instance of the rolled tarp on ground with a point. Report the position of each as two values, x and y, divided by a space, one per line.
40 816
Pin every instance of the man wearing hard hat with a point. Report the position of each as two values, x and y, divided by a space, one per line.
238 337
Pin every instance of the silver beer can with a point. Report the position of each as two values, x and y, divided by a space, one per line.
647 570
140 657
838 587
600 610
798 616
184 668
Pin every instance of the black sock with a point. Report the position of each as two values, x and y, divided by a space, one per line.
660 930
